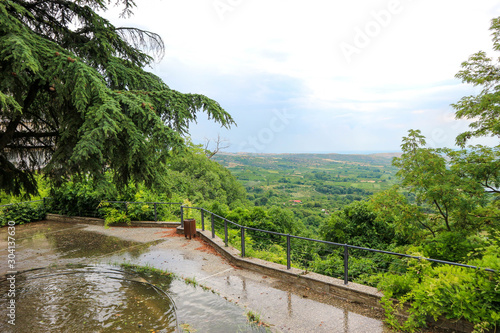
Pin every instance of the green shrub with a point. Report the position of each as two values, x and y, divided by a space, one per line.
446 291
22 213
75 199
451 246
140 212
113 215
274 253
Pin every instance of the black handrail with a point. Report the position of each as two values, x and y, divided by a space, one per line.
23 202
346 246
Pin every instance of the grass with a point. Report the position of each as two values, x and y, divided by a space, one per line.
185 327
254 318
149 270
191 281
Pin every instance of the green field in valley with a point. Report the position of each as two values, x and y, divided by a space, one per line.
322 182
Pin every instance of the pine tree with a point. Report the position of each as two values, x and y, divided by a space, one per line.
75 98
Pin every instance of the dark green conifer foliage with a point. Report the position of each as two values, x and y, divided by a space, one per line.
75 99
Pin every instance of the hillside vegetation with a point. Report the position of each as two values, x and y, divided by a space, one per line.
311 185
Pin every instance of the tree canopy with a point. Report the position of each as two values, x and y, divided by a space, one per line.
75 98
455 190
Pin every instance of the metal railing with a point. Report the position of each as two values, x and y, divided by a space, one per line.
345 247
147 203
289 237
24 202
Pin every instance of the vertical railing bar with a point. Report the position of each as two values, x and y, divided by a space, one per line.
288 253
242 241
346 264
182 217
202 220
225 233
213 225
156 214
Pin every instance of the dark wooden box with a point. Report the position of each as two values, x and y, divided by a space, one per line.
189 228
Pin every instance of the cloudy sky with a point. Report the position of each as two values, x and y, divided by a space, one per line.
320 75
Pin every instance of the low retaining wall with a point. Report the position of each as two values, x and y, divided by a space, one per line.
97 221
353 292
74 219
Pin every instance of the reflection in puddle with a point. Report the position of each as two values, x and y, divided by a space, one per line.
88 299
81 243
105 298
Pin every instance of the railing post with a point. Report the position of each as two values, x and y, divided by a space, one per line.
346 264
213 226
202 220
225 233
156 214
288 254
182 216
242 241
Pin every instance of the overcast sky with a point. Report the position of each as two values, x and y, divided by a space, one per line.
320 76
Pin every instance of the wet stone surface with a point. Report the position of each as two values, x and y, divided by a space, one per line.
287 308
87 299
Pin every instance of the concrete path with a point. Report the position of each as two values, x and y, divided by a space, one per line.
286 307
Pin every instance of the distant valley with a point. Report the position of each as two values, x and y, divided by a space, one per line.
325 181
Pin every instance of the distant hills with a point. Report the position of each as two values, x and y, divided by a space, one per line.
232 160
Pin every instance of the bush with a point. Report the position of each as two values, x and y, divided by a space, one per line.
451 246
22 213
113 215
75 199
446 291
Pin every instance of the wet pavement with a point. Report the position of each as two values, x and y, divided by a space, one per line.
88 299
287 308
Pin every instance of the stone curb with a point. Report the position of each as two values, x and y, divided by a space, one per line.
352 292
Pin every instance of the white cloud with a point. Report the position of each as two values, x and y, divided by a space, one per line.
256 56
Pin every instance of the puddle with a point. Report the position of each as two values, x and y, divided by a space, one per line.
104 298
42 244
80 243
87 299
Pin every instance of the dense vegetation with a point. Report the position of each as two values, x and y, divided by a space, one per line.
310 185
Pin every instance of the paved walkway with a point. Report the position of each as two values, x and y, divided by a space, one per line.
287 308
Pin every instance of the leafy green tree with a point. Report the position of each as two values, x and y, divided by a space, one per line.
409 221
425 172
483 108
194 175
357 224
75 98
457 198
